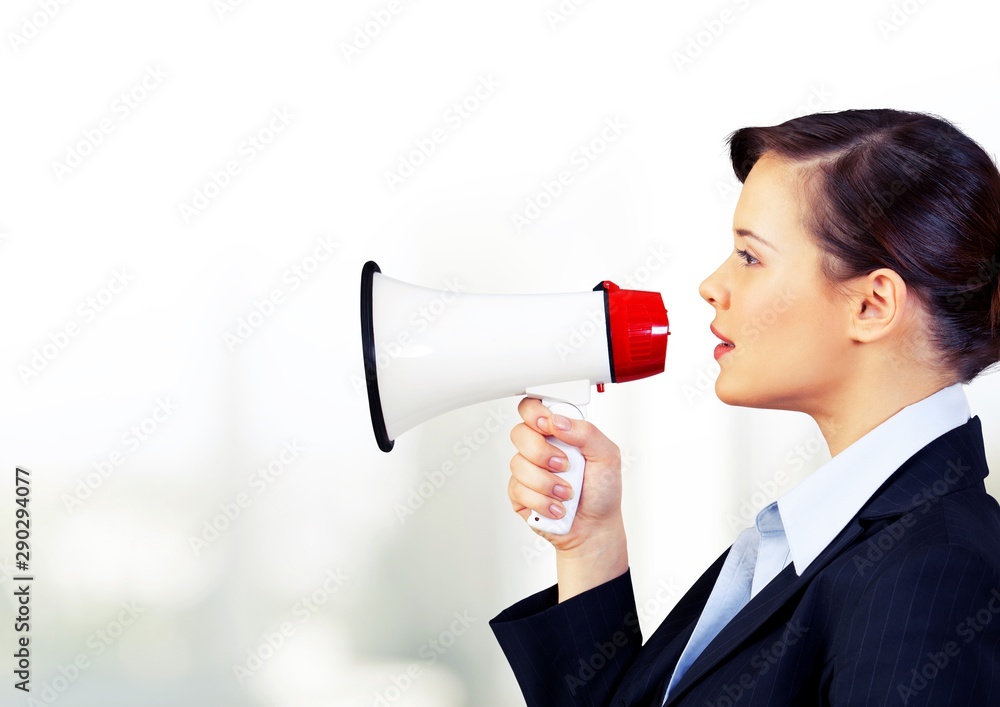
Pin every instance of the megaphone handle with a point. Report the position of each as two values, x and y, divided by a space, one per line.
573 475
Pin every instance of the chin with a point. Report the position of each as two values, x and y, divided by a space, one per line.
727 394
736 395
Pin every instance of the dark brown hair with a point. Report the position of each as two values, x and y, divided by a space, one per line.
904 191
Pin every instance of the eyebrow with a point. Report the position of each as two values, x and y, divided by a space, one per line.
746 233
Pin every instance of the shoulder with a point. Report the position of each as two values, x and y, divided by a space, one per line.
937 561
943 529
914 593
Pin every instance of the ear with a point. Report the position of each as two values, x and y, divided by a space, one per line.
878 302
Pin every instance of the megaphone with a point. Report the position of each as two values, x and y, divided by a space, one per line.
427 352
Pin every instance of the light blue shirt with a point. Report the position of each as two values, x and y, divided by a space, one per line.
804 521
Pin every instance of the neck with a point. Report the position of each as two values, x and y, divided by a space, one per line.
854 411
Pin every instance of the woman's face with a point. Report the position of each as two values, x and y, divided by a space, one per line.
788 327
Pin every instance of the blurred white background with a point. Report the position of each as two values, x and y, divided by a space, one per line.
213 522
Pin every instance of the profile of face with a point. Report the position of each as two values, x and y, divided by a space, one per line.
788 326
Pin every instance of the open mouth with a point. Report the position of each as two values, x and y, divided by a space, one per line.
725 346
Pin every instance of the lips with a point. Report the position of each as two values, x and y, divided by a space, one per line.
725 341
724 348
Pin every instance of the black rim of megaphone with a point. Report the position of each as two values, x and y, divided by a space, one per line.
368 349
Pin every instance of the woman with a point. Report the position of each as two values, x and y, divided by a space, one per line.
871 239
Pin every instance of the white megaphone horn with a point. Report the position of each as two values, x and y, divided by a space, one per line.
428 351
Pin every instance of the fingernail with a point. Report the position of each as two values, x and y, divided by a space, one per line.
543 423
556 510
562 492
557 463
561 422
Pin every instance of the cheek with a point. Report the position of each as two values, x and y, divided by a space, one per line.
803 332
769 313
789 321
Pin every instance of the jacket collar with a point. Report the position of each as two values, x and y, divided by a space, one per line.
954 461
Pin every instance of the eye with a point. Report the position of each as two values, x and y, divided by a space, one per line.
747 259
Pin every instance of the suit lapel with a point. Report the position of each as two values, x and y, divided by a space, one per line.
659 654
771 598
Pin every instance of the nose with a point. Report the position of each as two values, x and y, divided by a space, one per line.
714 291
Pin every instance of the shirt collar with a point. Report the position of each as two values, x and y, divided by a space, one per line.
822 504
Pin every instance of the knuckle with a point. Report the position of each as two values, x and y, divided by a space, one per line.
525 407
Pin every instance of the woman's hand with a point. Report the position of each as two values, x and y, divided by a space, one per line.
594 549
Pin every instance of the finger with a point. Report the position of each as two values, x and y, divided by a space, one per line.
530 410
518 507
540 481
588 439
526 500
533 447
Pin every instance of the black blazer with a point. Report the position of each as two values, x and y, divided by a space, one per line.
902 608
